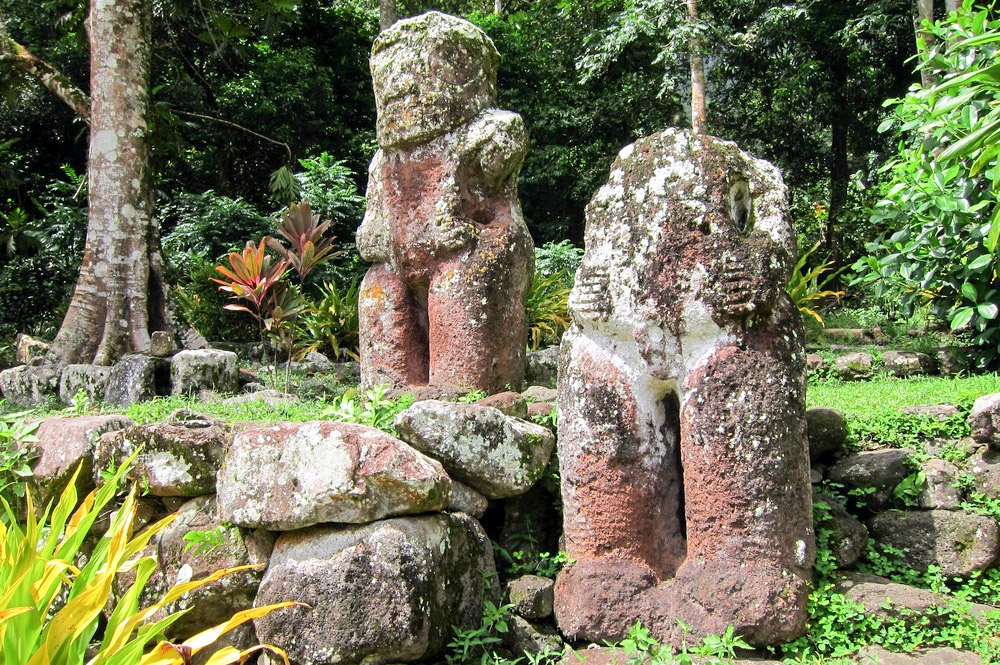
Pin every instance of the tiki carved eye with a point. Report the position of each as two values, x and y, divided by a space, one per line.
740 205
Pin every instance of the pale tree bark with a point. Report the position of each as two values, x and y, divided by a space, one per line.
924 10
119 296
24 61
951 5
498 7
386 14
697 74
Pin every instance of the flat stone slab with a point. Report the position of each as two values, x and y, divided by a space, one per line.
296 475
494 454
959 543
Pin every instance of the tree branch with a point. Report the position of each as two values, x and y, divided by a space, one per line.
58 84
287 148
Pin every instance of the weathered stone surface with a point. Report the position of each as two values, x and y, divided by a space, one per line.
539 409
985 468
295 475
682 448
531 596
939 489
177 459
594 655
879 469
444 303
959 543
848 537
876 655
523 637
137 378
63 444
540 394
26 385
207 369
266 396
384 592
494 454
908 363
179 562
854 366
161 343
542 367
509 403
466 500
937 411
984 419
890 600
827 432
92 379
29 348
814 362
950 361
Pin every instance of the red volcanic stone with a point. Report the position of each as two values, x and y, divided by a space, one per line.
682 444
444 303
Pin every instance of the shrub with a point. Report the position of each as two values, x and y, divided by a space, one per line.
329 185
208 225
547 307
50 609
333 321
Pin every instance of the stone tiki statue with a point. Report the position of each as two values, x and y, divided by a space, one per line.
685 468
444 303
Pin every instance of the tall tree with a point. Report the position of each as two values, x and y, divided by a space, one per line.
923 10
386 14
119 296
697 71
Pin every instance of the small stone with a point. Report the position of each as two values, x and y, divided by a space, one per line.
161 344
496 455
525 637
854 366
908 363
542 367
466 500
531 596
890 600
950 361
540 409
27 385
509 403
211 369
540 394
814 362
940 412
137 378
384 592
848 537
92 379
176 459
296 475
958 543
878 469
984 420
939 489
30 348
877 655
265 396
827 432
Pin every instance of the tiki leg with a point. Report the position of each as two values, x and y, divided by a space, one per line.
393 331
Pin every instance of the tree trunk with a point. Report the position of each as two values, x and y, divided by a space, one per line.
697 74
386 14
951 5
23 60
498 7
119 296
924 10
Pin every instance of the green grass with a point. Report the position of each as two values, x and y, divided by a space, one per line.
863 399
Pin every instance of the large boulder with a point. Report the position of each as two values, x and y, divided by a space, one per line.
177 459
494 454
985 420
531 596
939 489
205 369
137 378
908 363
385 592
65 443
295 475
874 471
958 543
888 600
91 379
27 385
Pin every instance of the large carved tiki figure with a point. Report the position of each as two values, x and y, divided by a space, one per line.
444 303
681 403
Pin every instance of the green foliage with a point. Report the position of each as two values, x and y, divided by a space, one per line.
332 322
558 257
547 308
371 407
16 453
807 286
476 645
51 610
909 488
861 400
207 225
942 198
472 396
310 246
201 304
522 562
203 541
329 184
